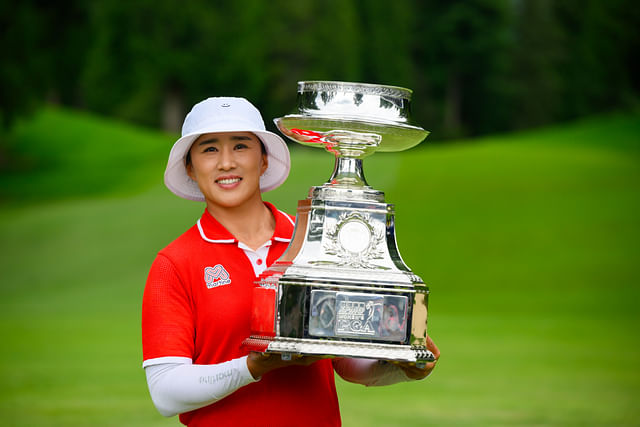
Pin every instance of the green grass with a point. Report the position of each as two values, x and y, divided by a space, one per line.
529 242
60 154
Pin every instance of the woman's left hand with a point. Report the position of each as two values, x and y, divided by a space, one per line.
415 373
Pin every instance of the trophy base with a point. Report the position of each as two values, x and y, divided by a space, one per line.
312 347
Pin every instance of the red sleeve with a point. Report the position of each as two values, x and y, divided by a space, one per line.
167 313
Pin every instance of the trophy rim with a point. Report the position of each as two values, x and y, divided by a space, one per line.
352 119
356 87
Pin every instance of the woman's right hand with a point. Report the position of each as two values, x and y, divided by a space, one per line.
261 363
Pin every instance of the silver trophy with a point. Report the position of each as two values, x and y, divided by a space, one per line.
341 288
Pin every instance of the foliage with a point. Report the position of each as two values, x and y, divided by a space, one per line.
43 49
476 66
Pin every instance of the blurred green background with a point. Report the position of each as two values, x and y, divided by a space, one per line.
520 210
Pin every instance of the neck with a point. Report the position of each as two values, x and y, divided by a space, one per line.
252 223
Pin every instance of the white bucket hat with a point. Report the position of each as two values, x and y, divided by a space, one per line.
224 115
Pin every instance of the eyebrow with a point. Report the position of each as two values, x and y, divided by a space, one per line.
233 138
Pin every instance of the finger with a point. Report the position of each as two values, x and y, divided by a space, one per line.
417 373
258 356
433 347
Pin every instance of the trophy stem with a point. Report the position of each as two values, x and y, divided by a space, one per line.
348 172
347 183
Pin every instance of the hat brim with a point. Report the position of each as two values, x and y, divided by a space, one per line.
181 184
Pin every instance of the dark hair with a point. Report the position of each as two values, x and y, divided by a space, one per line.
187 159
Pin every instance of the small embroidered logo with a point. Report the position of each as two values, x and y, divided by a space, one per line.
216 276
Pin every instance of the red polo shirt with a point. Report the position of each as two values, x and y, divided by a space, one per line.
197 304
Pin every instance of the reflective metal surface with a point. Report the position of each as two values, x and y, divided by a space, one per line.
375 316
341 288
352 119
366 102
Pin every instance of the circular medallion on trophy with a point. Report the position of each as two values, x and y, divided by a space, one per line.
354 241
354 236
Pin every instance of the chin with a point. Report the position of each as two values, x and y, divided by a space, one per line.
227 203
231 199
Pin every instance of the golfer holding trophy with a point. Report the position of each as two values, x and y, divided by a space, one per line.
247 315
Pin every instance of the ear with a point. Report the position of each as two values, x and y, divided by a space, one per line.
265 164
192 175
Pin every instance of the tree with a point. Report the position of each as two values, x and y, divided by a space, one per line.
461 51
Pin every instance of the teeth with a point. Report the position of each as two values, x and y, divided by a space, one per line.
228 181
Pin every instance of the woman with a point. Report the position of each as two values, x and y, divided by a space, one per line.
197 300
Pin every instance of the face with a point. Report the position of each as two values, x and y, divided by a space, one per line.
227 167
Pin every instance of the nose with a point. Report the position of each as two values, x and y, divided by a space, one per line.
226 160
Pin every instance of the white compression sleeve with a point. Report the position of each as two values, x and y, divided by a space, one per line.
369 372
181 387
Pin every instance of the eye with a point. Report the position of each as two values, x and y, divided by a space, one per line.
210 149
240 146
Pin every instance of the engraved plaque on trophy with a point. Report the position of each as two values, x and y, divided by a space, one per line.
341 288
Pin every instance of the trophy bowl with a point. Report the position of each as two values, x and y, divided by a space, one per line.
341 287
352 119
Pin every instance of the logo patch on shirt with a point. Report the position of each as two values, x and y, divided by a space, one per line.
216 276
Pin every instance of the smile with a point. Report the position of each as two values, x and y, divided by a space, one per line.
228 181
